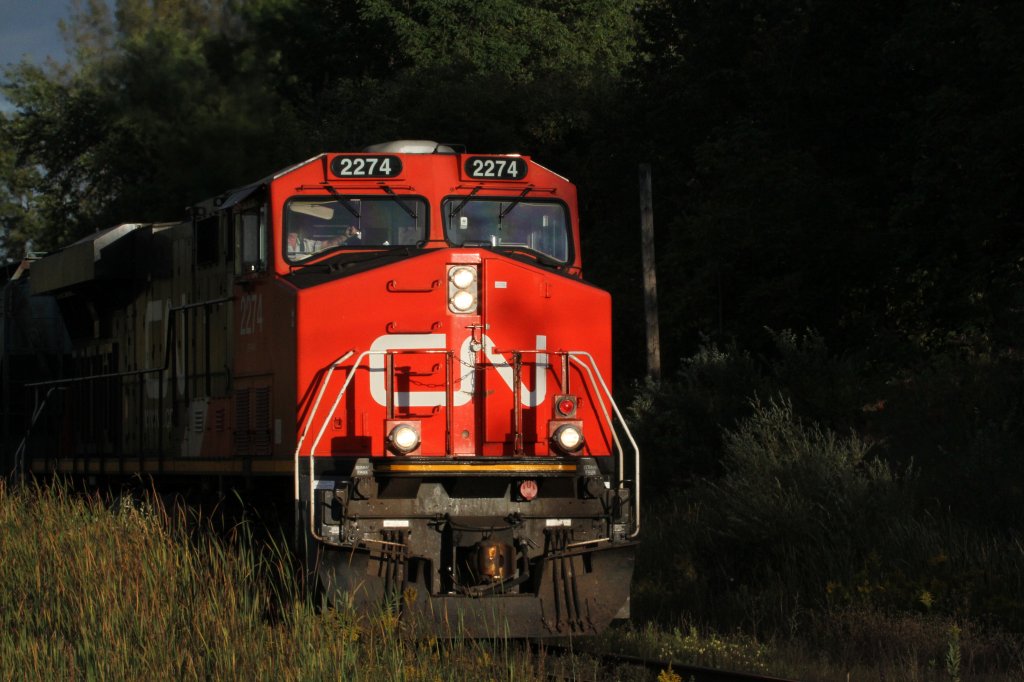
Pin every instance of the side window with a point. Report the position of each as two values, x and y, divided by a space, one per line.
206 234
250 240
228 237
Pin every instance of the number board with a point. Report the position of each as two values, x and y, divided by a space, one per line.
362 166
495 168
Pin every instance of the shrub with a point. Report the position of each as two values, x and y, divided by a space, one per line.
797 503
677 422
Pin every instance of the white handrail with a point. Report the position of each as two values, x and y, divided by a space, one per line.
305 429
589 367
312 450
607 417
625 428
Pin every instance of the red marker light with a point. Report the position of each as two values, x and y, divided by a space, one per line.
528 489
566 406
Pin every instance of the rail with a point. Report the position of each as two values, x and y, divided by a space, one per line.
19 454
584 360
139 374
169 365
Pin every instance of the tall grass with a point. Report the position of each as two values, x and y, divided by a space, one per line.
99 591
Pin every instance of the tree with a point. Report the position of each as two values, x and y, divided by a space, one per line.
17 219
839 166
167 102
161 106
504 76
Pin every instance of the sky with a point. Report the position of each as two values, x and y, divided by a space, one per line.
28 28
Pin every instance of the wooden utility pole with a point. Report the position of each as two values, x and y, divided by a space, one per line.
650 278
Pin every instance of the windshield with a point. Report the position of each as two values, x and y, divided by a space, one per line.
314 225
539 226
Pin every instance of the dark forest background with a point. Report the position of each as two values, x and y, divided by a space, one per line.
838 213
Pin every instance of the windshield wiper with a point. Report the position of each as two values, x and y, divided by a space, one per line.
515 202
394 197
465 200
349 206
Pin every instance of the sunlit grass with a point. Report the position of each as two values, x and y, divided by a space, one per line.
99 591
94 589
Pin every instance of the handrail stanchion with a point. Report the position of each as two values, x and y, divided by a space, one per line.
448 400
312 449
629 435
21 466
517 400
389 384
565 372
302 437
607 416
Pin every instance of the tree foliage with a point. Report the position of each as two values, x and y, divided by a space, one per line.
159 106
167 101
18 217
848 168
839 165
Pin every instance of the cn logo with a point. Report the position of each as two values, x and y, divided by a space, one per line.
465 380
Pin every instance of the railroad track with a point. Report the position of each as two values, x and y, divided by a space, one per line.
654 667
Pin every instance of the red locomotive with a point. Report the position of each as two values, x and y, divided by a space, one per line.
400 335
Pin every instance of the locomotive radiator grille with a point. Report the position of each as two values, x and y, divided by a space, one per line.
242 421
252 421
261 421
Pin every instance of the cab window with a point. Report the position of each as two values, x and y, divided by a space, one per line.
316 225
541 227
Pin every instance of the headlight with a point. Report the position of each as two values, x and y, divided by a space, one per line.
462 278
568 438
403 439
463 301
462 289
